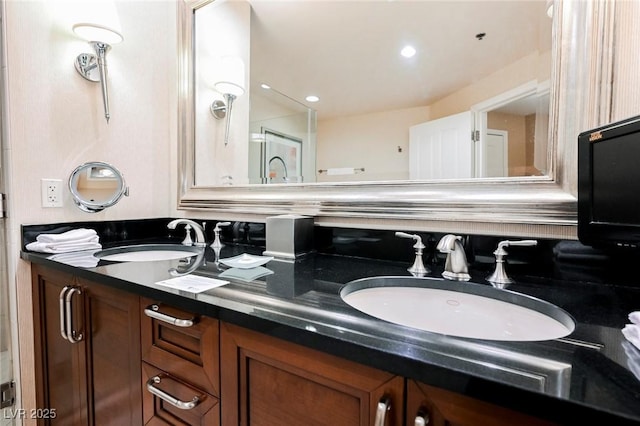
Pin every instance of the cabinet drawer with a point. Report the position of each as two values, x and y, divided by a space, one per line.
184 409
187 352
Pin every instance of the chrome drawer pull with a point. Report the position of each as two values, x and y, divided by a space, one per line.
381 411
153 311
422 418
63 316
168 398
72 335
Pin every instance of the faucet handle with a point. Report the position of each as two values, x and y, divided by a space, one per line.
499 278
187 239
417 269
217 242
506 243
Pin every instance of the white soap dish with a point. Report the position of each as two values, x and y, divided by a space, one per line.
247 275
245 261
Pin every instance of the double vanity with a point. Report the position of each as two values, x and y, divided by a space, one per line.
307 328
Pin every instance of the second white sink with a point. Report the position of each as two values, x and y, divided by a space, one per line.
458 309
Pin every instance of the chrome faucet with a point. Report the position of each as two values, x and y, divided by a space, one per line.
455 267
499 278
200 238
417 269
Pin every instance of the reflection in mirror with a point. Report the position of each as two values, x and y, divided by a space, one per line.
398 110
216 179
96 185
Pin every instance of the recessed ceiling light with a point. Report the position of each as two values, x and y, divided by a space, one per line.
312 98
265 86
408 51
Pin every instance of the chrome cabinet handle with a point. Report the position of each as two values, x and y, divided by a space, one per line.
153 311
422 418
384 405
63 316
169 398
72 335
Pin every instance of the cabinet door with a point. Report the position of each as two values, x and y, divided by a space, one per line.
271 382
112 356
92 378
438 407
60 385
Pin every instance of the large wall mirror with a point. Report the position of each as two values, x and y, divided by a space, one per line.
478 127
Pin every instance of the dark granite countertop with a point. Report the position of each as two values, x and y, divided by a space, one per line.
593 374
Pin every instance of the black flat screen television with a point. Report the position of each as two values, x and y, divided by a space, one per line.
609 185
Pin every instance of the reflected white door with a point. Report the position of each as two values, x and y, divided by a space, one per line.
442 148
496 155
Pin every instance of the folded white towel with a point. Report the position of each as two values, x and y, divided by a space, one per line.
63 247
70 241
75 235
632 333
633 358
634 317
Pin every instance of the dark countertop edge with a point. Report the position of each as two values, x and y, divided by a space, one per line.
539 405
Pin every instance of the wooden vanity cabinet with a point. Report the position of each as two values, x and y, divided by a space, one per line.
181 366
107 357
267 381
427 405
87 351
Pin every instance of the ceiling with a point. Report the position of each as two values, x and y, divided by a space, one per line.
347 52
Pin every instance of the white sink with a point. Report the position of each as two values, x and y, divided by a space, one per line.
458 309
147 252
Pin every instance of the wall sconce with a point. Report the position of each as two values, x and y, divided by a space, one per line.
549 8
93 67
230 85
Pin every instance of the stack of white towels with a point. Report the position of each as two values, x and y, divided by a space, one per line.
66 242
632 348
632 331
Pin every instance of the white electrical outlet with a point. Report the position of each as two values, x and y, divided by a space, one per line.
51 192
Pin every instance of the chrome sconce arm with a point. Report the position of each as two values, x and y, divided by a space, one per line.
98 24
94 68
231 85
222 109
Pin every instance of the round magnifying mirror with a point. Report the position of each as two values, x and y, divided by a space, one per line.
96 185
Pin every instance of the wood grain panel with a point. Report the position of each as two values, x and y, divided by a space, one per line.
189 353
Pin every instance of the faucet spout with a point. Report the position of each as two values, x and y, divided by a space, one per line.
200 238
456 266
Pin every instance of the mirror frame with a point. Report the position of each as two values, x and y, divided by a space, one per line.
91 206
542 206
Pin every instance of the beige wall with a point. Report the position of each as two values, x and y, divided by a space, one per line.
55 122
378 142
536 66
514 125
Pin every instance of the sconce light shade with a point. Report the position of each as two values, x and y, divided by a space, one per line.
231 85
229 88
98 33
101 29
